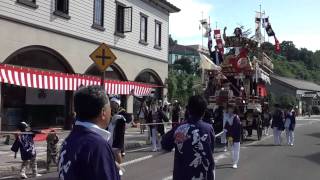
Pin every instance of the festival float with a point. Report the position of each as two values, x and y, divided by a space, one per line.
240 75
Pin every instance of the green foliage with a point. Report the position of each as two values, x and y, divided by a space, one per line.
286 100
180 86
183 76
186 65
293 62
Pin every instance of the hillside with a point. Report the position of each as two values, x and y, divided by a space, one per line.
295 63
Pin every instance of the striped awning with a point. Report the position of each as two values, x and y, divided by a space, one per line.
41 79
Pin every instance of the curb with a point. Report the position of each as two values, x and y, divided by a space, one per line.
14 168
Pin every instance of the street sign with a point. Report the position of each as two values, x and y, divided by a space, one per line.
103 57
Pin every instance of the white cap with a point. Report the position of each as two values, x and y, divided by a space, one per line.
116 100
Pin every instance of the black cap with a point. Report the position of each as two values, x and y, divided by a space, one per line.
22 126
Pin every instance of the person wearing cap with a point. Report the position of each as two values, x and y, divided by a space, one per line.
86 154
193 141
233 133
277 124
117 127
52 148
24 142
142 113
266 119
154 117
175 113
289 124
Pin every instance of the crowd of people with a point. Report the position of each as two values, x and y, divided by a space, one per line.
95 147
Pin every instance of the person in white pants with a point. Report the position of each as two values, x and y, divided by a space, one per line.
233 130
277 135
289 125
227 117
235 154
153 118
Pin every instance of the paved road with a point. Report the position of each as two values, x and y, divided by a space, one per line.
259 160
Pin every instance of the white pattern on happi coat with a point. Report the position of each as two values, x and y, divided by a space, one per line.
183 132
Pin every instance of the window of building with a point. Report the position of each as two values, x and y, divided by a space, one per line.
176 57
62 8
157 35
98 14
30 3
123 19
143 29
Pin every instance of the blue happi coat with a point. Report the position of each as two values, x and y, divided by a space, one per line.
86 155
25 144
194 145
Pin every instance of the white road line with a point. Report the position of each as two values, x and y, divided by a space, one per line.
41 171
9 177
4 153
136 150
220 156
136 160
168 178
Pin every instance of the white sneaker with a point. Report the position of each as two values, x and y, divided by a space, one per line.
37 175
120 172
225 149
154 150
291 144
23 176
235 166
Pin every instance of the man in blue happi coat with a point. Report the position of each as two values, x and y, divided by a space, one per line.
86 154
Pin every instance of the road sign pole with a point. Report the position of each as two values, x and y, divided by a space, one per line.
103 78
103 57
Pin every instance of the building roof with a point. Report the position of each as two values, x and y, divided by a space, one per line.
166 5
183 50
298 84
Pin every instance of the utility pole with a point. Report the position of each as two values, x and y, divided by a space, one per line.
202 30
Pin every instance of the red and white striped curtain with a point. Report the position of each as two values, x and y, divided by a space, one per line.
32 78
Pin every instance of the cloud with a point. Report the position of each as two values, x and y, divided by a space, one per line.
184 25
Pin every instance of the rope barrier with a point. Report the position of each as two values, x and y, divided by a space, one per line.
30 132
146 124
219 134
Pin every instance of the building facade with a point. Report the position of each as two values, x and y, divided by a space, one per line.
306 93
177 51
59 36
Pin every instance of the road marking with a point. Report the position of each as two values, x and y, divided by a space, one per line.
41 171
168 178
4 153
220 156
9 177
136 150
136 160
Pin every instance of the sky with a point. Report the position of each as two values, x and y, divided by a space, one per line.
292 20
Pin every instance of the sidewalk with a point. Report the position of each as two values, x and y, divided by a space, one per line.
313 117
10 166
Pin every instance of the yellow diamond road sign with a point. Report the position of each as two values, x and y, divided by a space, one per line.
103 57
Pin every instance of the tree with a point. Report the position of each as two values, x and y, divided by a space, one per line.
172 85
289 50
286 100
306 56
185 64
171 41
267 48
